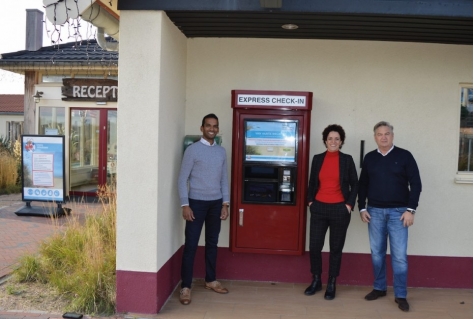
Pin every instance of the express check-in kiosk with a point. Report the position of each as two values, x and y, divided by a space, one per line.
270 143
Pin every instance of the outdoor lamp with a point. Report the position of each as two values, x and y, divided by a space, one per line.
38 96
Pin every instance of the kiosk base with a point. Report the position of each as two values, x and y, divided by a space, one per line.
29 210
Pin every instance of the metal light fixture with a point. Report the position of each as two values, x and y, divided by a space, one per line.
290 26
38 96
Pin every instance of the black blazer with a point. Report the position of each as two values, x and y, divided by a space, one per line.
347 177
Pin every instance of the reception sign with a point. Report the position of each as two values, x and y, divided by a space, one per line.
42 159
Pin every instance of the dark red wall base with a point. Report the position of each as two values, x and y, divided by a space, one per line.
147 292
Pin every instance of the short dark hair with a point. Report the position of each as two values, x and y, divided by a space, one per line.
209 116
334 128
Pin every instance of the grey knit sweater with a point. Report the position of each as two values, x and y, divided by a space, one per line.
204 170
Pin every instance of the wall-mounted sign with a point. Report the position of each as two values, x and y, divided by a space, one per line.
42 159
271 100
98 90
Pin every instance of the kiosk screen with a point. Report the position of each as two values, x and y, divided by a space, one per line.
270 141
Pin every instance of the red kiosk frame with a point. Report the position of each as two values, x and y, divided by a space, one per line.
270 155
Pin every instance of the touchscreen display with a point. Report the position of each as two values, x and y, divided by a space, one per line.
270 141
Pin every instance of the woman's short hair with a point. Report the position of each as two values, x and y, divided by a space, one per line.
334 128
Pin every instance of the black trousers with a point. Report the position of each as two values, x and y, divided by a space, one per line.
337 219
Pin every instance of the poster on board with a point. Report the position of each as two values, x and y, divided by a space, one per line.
43 171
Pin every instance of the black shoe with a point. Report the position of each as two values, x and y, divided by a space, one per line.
330 289
315 286
402 304
374 294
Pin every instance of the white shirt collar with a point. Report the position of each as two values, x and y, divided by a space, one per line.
203 141
393 145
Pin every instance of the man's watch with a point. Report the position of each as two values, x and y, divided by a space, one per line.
411 211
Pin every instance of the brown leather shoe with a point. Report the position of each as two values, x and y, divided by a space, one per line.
185 296
217 287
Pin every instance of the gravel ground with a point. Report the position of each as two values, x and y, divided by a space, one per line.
30 297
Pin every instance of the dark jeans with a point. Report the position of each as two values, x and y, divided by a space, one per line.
337 219
208 212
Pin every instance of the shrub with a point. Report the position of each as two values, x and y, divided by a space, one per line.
79 261
8 170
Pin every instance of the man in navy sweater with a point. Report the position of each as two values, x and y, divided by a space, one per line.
204 194
390 183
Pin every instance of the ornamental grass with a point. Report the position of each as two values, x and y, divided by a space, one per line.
79 260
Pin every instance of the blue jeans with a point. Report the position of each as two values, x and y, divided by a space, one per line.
208 212
386 222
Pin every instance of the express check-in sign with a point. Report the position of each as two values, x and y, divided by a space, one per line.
271 100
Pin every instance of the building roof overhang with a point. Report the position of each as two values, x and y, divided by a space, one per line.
73 57
428 21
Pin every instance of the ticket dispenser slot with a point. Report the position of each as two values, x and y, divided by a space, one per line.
270 151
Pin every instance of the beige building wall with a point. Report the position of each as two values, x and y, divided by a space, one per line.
152 83
414 86
175 81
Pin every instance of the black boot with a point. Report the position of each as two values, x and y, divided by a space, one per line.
315 286
330 289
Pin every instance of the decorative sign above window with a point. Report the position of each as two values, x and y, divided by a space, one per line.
97 90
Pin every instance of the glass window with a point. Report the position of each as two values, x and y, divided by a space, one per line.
51 121
465 131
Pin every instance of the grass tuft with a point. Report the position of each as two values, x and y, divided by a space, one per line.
79 260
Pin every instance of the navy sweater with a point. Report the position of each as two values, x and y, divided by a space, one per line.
389 181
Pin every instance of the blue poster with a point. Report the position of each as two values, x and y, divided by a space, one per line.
43 168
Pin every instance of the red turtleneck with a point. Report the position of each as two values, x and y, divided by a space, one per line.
329 186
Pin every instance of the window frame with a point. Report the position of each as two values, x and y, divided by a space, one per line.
462 177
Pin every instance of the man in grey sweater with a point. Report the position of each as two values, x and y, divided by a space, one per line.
204 194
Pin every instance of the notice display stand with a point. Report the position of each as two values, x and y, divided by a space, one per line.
29 210
43 175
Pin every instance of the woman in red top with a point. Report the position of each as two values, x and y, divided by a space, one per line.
332 192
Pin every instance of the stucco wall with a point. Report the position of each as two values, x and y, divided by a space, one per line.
355 84
150 132
167 83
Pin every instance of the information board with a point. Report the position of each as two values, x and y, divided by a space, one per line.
43 171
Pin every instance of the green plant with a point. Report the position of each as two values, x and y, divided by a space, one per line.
8 169
79 260
11 290
5 144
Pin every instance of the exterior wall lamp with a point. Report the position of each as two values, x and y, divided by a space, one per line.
38 96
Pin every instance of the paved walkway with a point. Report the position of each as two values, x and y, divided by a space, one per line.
22 234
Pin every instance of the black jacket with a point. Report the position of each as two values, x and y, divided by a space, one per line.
347 177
